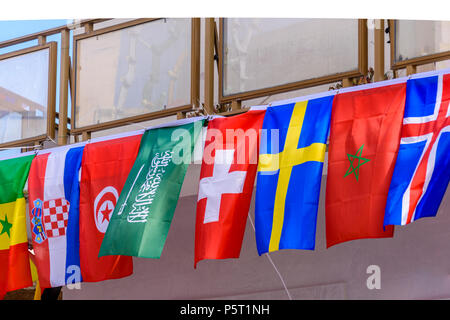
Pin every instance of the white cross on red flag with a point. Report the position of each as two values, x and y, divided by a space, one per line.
229 165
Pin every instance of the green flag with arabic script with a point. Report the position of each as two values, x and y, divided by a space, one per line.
142 216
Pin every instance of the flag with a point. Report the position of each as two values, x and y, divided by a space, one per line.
289 174
14 261
364 139
227 176
144 211
422 170
72 184
104 170
34 277
50 197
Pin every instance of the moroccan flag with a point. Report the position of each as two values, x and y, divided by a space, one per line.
290 173
104 170
144 211
14 260
51 201
230 160
364 140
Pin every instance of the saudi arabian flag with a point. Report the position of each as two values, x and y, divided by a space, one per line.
14 260
141 219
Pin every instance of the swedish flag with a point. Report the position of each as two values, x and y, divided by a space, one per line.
290 166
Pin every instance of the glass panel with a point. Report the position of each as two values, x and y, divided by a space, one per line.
133 71
23 96
420 38
262 53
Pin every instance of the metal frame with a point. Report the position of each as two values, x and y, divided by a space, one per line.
379 50
410 64
236 98
51 94
179 111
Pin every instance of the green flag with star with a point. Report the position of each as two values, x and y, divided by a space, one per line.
14 260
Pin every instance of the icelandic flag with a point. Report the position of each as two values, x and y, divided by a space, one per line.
53 186
422 169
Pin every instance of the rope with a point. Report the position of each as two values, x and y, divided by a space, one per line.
273 264
48 138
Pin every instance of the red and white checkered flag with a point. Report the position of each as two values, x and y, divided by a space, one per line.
56 215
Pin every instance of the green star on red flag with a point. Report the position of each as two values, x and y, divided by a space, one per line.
6 226
359 162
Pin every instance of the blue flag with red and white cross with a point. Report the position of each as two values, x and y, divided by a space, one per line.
422 170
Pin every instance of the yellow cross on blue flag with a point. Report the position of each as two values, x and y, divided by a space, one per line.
292 153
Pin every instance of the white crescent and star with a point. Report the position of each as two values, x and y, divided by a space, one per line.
104 205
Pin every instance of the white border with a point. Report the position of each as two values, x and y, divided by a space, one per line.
384 9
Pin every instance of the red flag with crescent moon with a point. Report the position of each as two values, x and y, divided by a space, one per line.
104 170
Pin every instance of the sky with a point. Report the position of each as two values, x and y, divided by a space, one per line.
17 28
10 29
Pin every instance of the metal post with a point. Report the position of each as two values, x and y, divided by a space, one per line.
379 50
42 40
209 65
410 69
63 87
86 135
195 63
347 82
236 105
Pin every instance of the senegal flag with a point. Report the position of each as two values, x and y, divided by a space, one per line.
14 261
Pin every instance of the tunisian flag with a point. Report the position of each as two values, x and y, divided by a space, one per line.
364 141
104 170
229 164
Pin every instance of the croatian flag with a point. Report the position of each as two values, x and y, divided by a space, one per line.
53 186
422 170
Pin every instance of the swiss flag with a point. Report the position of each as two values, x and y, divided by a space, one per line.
227 176
104 170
